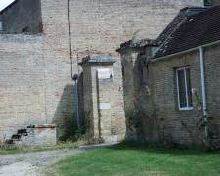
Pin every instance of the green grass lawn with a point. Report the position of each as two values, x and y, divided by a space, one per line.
133 161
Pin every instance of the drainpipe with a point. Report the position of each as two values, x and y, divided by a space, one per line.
75 79
204 103
75 76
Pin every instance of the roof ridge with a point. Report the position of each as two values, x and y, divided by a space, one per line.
206 10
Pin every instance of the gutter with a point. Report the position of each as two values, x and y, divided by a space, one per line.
75 80
184 52
202 77
204 103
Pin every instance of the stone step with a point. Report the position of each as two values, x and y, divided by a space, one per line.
34 135
16 137
9 141
22 132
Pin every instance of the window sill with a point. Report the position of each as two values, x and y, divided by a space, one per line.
186 109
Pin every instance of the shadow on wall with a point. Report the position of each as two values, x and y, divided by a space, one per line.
65 115
81 101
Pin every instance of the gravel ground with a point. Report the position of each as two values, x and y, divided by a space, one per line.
32 164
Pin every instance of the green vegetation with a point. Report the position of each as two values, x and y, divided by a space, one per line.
140 161
25 149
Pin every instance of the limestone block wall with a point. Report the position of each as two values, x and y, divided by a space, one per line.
60 98
156 117
216 2
175 126
37 66
22 83
39 136
111 107
89 108
182 127
132 82
162 121
212 70
30 86
96 27
100 26
103 105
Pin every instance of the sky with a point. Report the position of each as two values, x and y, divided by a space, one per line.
5 3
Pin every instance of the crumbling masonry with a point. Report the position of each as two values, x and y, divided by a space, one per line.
35 58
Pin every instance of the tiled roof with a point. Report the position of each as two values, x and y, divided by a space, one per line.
190 31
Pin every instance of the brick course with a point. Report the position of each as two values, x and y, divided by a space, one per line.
35 81
161 121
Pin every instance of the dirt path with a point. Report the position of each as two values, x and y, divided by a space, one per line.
32 164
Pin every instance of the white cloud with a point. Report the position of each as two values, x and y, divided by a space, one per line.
5 3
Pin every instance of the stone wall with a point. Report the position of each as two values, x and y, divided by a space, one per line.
212 70
22 82
131 88
42 135
216 2
100 26
60 97
159 118
175 126
96 27
103 103
183 127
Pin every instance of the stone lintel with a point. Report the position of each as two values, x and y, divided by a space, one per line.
97 60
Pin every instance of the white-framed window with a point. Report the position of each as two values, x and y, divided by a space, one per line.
184 88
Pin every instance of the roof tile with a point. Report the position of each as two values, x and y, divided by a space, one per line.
190 32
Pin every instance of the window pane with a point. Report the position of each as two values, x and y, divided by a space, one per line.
182 88
207 2
189 87
1 26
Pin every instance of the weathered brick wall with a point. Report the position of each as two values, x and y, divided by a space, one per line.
22 82
212 70
182 127
22 14
60 98
100 26
38 136
175 126
106 124
113 119
216 2
89 108
131 88
97 26
160 118
26 93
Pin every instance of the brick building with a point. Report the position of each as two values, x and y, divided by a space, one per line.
37 50
171 83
